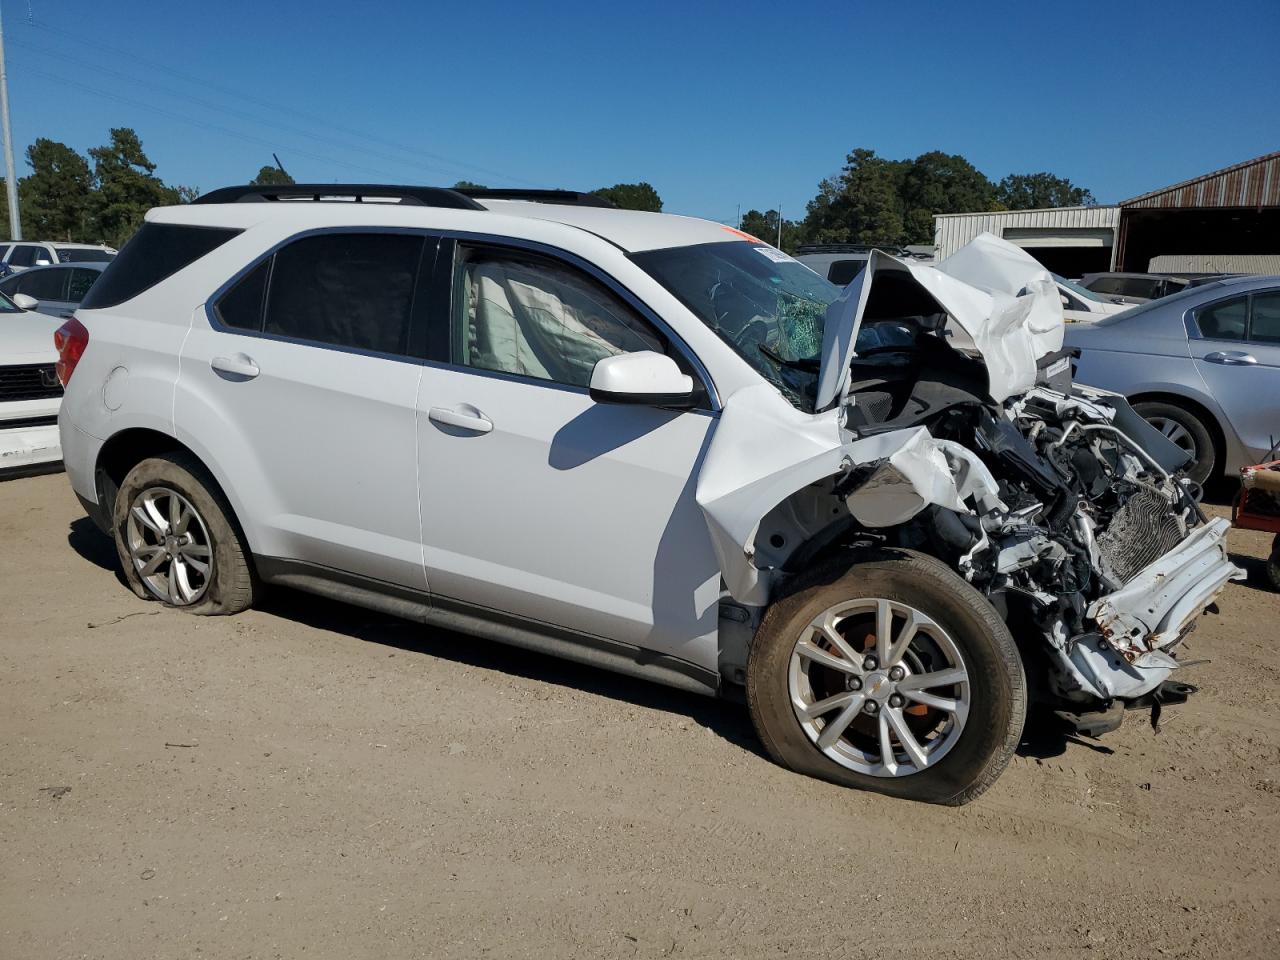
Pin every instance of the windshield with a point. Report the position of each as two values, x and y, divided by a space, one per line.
78 255
1079 291
769 308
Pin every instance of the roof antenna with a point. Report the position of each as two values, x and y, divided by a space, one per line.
279 164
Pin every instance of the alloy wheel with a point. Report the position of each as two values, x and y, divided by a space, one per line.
879 687
1177 433
169 546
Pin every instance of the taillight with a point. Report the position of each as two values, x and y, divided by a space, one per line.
70 339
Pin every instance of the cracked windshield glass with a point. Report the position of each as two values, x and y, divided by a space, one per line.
765 305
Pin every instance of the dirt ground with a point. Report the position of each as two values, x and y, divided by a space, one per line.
309 779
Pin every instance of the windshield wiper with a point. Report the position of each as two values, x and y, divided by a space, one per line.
809 366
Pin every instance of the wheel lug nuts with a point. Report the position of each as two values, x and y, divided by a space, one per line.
896 674
869 663
896 700
854 683
871 707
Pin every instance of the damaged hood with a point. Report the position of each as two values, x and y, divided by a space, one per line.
1002 306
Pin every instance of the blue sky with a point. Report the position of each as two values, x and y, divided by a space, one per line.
716 104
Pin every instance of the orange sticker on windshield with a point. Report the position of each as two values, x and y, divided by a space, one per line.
744 236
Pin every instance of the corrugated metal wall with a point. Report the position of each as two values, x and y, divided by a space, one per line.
1260 263
951 231
1254 183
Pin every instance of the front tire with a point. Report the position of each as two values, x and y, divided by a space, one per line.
177 541
892 675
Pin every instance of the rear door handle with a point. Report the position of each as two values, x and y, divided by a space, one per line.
238 367
1232 358
464 417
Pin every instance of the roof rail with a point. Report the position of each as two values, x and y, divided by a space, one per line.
847 247
358 192
572 198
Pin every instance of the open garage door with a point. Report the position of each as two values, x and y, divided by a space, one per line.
1068 251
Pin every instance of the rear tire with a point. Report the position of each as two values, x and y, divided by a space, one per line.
1273 563
956 630
177 539
1188 431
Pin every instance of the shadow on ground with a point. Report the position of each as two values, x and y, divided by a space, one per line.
724 718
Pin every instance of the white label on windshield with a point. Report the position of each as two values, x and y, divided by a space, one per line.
777 256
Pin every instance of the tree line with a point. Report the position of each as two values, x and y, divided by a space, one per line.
100 198
874 200
103 197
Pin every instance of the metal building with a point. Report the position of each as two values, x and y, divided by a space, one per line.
1067 240
1221 222
1227 220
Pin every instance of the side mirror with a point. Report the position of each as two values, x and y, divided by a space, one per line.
645 377
25 301
43 262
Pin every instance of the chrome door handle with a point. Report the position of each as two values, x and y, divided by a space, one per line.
1232 358
465 418
238 367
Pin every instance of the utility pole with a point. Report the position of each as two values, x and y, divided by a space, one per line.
779 226
738 225
10 175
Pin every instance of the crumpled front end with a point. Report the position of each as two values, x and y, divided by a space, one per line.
1061 506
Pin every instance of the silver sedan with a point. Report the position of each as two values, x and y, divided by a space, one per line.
1203 366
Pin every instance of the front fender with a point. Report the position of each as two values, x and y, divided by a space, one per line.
764 451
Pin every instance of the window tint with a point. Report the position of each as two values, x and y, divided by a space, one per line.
81 281
155 252
1264 321
4 248
44 284
538 318
9 285
76 255
842 272
241 306
353 290
1225 320
24 255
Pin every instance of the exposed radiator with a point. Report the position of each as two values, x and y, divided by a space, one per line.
1142 531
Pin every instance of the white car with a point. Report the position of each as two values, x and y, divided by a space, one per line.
16 256
645 442
1082 305
30 392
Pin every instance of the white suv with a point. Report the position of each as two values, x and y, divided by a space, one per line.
651 443
21 255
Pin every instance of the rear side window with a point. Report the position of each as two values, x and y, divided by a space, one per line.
44 284
4 249
155 252
1224 321
842 272
81 281
350 290
1264 319
241 306
77 255
24 256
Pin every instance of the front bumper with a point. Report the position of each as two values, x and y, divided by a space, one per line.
1153 610
1146 617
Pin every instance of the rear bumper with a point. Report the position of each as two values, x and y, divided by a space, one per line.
28 446
1153 610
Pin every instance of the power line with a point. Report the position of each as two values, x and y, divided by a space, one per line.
216 128
275 107
417 164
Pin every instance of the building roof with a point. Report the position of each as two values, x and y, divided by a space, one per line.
1254 183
